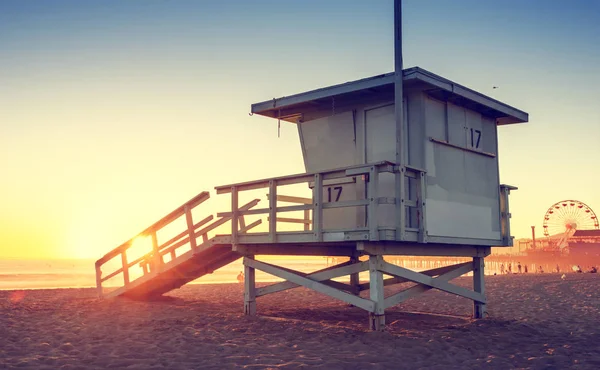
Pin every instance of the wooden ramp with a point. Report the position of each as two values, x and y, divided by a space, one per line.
190 266
168 265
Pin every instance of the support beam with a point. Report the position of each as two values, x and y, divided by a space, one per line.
478 286
345 268
365 304
416 249
433 272
377 317
417 277
455 271
249 287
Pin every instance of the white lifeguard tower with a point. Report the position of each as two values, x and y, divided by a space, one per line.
404 163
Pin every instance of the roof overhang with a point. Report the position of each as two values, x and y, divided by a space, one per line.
293 108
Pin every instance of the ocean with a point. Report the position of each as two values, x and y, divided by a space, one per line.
50 274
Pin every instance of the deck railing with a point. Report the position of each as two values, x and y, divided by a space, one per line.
316 205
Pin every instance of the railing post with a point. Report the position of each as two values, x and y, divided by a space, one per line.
190 225
317 225
399 179
505 215
306 218
373 199
234 215
99 282
273 211
421 207
125 267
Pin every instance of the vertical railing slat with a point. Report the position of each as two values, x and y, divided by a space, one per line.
273 211
318 208
234 215
125 267
373 197
190 226
421 206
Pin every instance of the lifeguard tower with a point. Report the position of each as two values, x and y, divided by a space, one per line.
404 163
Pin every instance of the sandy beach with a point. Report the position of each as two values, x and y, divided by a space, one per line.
535 321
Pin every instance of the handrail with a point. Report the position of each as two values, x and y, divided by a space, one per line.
306 177
172 216
155 256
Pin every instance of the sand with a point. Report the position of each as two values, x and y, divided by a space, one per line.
535 321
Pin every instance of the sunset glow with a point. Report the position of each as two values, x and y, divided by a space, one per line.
116 112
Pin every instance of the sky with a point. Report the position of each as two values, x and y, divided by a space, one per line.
113 113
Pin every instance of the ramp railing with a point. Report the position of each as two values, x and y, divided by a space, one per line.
153 261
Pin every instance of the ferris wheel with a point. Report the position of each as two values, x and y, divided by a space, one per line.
566 217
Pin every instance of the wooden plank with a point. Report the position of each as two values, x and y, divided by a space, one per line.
251 226
417 249
454 272
292 220
348 203
398 271
111 275
365 304
292 250
292 199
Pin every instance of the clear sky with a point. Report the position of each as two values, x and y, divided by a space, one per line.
112 113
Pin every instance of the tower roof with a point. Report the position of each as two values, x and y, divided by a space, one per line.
296 108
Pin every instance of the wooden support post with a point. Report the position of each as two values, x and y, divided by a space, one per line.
249 288
376 318
478 286
273 211
190 226
125 268
99 282
354 277
234 215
